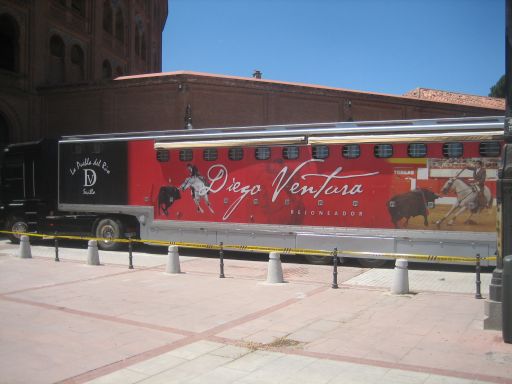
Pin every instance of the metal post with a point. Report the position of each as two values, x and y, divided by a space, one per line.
56 247
335 268
130 250
493 305
221 257
478 294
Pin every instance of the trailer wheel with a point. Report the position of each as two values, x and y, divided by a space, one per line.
16 224
371 263
319 260
109 229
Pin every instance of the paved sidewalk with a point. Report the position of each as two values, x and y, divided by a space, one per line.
72 323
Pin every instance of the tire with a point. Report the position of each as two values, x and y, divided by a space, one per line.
16 224
371 263
319 260
110 229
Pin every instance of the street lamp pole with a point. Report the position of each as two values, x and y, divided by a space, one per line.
493 307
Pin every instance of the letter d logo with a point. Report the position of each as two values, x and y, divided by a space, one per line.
90 177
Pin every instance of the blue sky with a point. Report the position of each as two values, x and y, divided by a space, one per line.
386 46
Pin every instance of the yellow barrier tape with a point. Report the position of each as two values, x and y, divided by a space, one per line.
256 248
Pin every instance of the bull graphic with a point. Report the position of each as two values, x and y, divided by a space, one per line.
166 197
410 204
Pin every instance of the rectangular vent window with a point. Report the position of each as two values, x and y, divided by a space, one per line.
383 150
351 151
236 154
320 152
451 150
262 153
291 153
162 156
417 150
210 154
490 149
186 155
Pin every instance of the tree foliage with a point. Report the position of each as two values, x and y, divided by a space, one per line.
498 89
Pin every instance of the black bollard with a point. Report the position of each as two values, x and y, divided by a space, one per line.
478 294
335 268
221 257
56 248
130 250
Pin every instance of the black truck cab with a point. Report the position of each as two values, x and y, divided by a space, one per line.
28 185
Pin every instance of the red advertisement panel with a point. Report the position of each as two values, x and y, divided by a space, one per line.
432 193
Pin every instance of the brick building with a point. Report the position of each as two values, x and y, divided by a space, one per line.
78 67
70 43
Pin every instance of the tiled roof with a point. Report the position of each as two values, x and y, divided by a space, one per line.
456 98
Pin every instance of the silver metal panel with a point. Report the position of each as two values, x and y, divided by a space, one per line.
197 236
114 209
363 127
346 243
231 143
264 239
396 138
448 248
428 242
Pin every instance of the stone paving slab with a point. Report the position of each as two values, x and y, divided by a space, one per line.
249 366
71 323
456 282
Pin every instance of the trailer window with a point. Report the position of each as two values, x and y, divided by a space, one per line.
417 150
77 149
490 149
453 149
262 153
383 150
96 148
351 151
236 153
186 155
291 153
210 154
320 151
162 156
13 178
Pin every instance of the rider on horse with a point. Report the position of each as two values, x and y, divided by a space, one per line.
479 176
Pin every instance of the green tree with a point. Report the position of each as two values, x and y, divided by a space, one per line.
498 89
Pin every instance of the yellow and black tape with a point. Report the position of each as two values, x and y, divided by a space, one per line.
263 249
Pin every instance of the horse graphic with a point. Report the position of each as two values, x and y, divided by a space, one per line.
199 189
467 199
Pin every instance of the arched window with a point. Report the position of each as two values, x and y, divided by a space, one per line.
77 63
119 25
107 69
137 41
9 43
142 46
4 133
107 16
57 56
140 39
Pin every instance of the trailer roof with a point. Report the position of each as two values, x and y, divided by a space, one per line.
298 132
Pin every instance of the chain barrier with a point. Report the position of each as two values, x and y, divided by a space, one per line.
256 248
